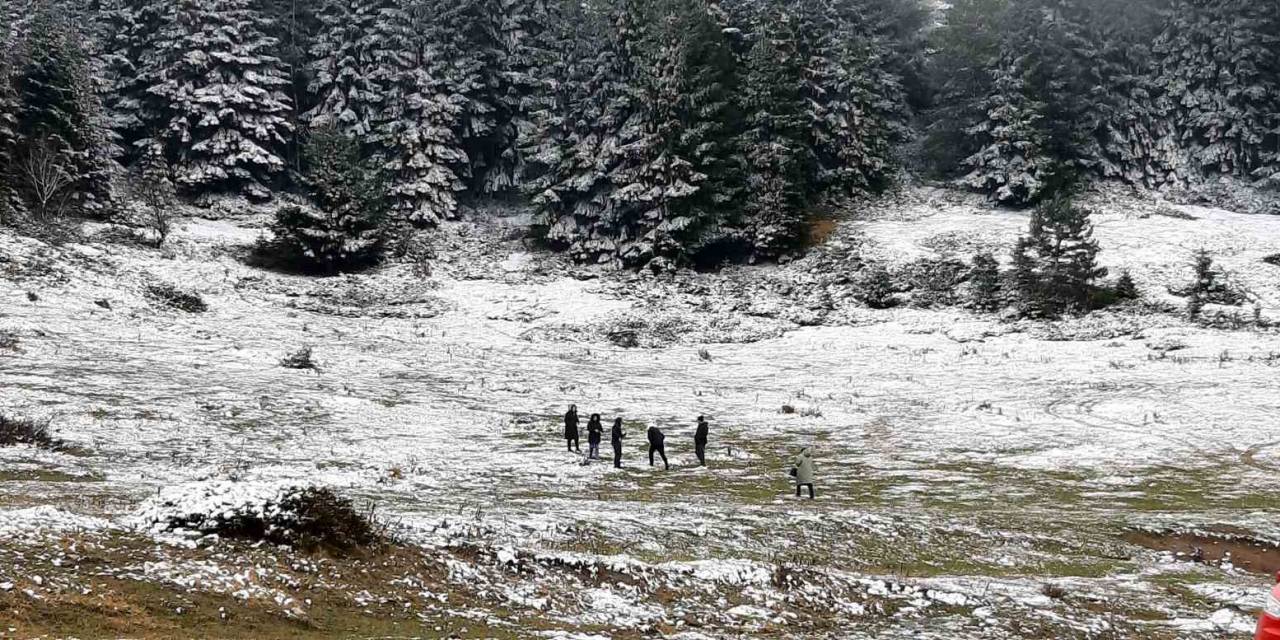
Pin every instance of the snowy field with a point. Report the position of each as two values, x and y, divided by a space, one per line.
987 478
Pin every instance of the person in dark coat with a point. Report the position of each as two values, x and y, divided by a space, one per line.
657 443
700 440
615 438
594 431
571 428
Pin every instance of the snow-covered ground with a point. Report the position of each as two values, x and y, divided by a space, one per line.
957 455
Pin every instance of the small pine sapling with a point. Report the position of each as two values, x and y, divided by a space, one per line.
986 293
153 186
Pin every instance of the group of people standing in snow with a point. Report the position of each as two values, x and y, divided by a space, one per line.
801 469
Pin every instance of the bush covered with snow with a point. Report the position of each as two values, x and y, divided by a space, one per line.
301 516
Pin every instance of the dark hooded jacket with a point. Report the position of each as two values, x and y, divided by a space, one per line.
571 425
594 430
656 437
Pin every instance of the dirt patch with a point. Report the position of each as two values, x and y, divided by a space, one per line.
1213 547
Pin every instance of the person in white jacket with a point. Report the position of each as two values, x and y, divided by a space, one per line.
802 471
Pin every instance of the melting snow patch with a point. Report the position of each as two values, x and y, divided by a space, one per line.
24 522
607 607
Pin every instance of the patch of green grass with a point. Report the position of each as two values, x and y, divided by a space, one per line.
43 475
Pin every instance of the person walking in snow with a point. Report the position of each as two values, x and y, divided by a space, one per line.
657 444
700 440
594 431
802 471
615 438
571 428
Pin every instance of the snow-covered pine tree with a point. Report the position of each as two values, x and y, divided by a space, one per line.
600 98
119 46
1220 84
344 79
1126 288
522 29
470 39
967 50
829 85
153 187
345 230
219 91
775 141
557 75
1131 128
1055 264
856 103
1043 124
680 135
985 283
59 110
417 126
1012 162
8 136
293 24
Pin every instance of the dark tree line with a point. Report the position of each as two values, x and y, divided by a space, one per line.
641 130
1033 95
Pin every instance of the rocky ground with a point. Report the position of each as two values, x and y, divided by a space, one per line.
979 476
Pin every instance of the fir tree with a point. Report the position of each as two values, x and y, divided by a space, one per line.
775 140
1132 129
1013 163
524 26
472 41
875 288
417 127
59 112
1126 288
599 100
219 96
1219 71
856 106
967 48
8 140
344 54
125 34
1209 285
153 187
1055 265
985 283
345 229
293 24
685 127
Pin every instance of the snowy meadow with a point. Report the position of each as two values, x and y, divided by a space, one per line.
977 477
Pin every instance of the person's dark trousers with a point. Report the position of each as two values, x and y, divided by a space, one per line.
700 447
573 445
617 456
593 451
662 451
807 484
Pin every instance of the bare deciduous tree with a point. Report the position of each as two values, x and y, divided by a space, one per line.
49 185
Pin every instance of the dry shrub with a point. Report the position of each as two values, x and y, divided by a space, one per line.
15 431
821 230
310 519
170 296
300 359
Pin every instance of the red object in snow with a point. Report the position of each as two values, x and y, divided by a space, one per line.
1269 621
